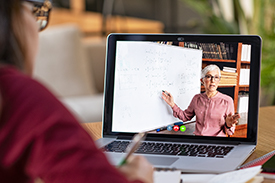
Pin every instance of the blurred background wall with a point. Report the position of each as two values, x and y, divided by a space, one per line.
175 15
97 18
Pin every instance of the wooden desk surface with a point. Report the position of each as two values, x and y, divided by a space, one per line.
266 133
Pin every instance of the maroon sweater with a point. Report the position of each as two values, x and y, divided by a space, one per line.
39 138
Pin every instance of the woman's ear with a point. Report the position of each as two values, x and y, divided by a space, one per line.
201 81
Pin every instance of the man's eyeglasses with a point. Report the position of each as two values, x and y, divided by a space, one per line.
41 11
209 78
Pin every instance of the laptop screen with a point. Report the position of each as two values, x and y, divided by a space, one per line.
182 85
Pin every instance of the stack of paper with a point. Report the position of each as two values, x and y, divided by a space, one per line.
167 176
247 175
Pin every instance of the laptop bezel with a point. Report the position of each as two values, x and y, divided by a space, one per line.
254 86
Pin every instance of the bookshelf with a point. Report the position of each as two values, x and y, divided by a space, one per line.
224 55
238 62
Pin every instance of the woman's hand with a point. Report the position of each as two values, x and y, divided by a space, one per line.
138 168
232 120
168 98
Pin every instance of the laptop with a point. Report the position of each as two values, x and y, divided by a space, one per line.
139 67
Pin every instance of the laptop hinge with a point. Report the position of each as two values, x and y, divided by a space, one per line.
193 141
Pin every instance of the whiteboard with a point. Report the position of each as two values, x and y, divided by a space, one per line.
143 70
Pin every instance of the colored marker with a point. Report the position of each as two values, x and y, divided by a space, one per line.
178 123
166 93
161 129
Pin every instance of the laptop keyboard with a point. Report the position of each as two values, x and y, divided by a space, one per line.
172 149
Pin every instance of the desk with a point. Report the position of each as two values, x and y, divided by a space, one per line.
266 133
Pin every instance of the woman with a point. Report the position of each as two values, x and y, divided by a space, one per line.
39 137
213 110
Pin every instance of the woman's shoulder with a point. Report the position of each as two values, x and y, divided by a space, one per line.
224 97
25 98
16 82
19 89
199 96
8 73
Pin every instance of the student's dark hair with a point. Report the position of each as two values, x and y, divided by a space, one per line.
12 51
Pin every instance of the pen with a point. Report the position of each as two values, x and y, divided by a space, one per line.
166 93
132 147
161 129
178 123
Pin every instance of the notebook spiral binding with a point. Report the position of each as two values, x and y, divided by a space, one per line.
259 161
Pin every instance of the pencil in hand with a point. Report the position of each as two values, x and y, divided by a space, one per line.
132 147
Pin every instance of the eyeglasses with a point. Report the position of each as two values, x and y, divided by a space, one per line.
41 11
209 77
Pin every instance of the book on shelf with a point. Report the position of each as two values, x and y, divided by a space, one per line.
244 76
228 77
242 108
223 51
267 175
229 69
212 50
246 52
229 73
181 44
227 84
165 42
228 81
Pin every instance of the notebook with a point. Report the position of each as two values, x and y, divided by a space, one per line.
140 66
259 161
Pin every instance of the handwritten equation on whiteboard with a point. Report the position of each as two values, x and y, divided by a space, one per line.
143 70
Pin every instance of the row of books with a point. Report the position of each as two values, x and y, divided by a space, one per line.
220 50
212 50
246 52
165 42
228 77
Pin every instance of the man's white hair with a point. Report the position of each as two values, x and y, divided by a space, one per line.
208 68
